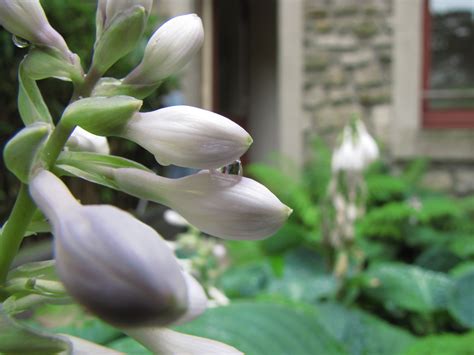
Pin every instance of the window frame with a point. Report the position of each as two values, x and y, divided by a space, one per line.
438 118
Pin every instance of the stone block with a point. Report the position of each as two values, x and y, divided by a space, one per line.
374 95
335 76
336 42
340 95
440 180
368 76
464 180
314 97
316 60
356 58
365 29
382 41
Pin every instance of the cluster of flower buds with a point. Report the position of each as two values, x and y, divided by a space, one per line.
116 266
357 150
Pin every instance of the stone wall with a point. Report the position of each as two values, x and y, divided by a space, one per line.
347 70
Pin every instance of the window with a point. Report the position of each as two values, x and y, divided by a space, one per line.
448 64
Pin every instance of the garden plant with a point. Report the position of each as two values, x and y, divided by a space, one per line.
106 260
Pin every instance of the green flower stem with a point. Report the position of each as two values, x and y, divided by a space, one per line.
55 144
85 90
14 230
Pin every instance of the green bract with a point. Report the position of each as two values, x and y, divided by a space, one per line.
103 116
22 150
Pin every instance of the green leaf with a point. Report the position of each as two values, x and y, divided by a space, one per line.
30 102
361 332
462 269
289 236
265 329
93 330
304 277
448 344
437 258
17 338
410 287
461 300
93 167
246 280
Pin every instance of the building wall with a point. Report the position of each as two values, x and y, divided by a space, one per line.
348 69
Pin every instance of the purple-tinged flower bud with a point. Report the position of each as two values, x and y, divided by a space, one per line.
27 20
188 136
107 10
225 206
116 266
169 49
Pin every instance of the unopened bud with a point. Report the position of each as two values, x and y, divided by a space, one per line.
119 38
83 141
116 266
27 20
107 10
188 136
226 206
169 49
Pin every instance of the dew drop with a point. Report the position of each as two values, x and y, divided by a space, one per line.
234 168
20 42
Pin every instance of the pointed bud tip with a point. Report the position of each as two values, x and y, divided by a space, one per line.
249 141
288 211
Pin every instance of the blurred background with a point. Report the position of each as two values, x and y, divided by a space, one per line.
294 73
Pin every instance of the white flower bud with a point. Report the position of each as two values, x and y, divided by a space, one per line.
84 141
226 206
188 136
116 266
26 19
175 219
367 143
349 156
168 50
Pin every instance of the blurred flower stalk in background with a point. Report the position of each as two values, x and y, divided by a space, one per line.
347 192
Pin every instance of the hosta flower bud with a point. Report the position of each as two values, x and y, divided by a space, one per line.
26 19
367 143
107 10
168 50
119 38
116 266
349 156
226 206
188 136
81 140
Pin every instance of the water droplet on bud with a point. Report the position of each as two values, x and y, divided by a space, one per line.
20 42
234 168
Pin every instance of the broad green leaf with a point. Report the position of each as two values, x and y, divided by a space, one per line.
246 280
30 102
462 269
20 339
305 277
447 344
93 167
265 328
361 332
409 287
461 300
289 236
437 258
